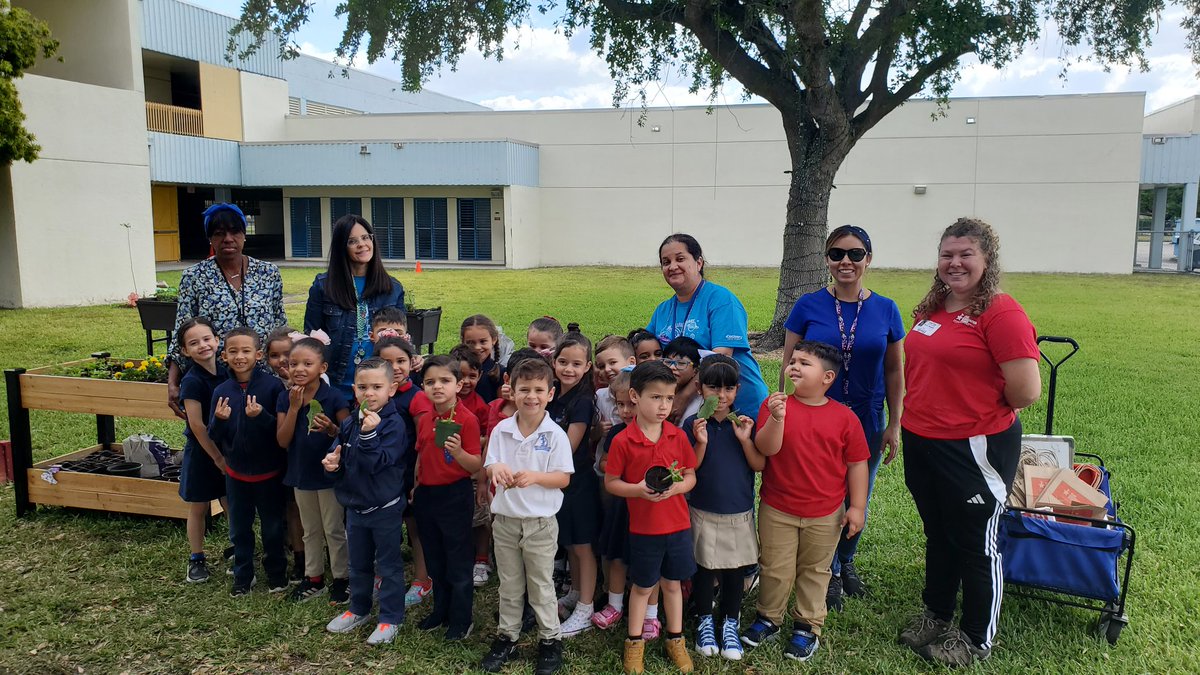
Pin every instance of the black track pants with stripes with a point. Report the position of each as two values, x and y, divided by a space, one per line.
960 487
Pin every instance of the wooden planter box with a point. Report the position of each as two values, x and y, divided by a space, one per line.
38 390
423 325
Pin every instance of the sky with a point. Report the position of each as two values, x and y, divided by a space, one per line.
542 69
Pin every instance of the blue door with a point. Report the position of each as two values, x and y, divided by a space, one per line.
474 229
306 227
387 215
431 228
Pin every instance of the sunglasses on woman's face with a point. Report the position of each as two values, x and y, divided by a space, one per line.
856 254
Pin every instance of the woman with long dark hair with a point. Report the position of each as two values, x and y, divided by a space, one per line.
342 300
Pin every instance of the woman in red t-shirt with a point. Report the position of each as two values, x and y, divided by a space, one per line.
971 362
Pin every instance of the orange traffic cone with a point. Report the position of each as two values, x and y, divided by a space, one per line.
418 270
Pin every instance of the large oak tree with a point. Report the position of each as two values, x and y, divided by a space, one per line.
832 69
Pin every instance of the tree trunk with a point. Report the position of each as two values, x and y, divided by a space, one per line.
816 157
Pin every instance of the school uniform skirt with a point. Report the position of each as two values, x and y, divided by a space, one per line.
579 517
724 541
199 478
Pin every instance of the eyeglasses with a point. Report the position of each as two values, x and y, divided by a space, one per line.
856 254
677 363
355 241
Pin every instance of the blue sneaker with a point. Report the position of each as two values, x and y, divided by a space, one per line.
706 637
802 645
759 632
731 644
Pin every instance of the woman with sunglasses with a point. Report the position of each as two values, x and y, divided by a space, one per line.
342 301
708 313
867 328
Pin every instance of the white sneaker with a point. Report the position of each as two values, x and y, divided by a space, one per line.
383 634
345 622
579 621
481 574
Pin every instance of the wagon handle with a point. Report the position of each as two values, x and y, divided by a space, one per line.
1054 372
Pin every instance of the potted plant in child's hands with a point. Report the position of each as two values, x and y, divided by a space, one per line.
660 478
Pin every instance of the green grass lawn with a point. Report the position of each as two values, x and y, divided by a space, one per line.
89 592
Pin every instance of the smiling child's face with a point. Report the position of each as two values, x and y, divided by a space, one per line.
401 363
306 366
241 354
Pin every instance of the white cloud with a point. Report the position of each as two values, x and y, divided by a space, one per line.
543 69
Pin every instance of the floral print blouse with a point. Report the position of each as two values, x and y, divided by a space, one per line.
203 291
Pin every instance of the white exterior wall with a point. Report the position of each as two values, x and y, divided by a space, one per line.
264 107
1182 117
68 206
1047 172
99 41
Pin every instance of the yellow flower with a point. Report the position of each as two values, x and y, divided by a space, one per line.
128 364
117 376
142 368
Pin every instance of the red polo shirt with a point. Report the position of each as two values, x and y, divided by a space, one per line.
432 467
630 455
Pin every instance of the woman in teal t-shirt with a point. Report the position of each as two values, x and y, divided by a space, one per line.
708 313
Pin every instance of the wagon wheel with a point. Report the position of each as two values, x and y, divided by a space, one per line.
1111 624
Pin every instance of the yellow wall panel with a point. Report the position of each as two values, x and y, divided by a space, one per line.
221 102
164 201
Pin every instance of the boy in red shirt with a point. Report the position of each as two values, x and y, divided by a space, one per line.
444 498
814 447
660 535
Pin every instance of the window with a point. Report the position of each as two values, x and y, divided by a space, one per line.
431 228
474 229
387 215
344 206
306 227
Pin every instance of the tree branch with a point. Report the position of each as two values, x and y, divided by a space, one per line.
884 103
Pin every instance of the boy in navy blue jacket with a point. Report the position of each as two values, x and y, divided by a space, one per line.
368 469
244 431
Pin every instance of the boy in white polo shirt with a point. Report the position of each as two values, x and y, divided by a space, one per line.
528 463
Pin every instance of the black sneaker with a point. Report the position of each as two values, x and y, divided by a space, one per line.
339 591
307 590
549 658
852 584
227 554
835 600
277 584
240 590
503 650
197 571
432 622
759 632
456 633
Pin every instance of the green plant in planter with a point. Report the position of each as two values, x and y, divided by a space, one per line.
166 294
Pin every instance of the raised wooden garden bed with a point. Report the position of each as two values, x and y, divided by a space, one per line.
106 399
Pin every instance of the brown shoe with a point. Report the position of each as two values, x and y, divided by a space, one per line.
678 652
635 652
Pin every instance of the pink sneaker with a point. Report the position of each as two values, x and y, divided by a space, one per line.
651 629
607 617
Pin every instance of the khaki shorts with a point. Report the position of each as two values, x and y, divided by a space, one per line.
724 541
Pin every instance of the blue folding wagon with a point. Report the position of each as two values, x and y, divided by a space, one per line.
1071 564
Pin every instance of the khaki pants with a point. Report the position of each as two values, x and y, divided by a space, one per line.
324 523
796 551
525 549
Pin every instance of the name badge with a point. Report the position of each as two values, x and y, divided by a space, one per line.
927 327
